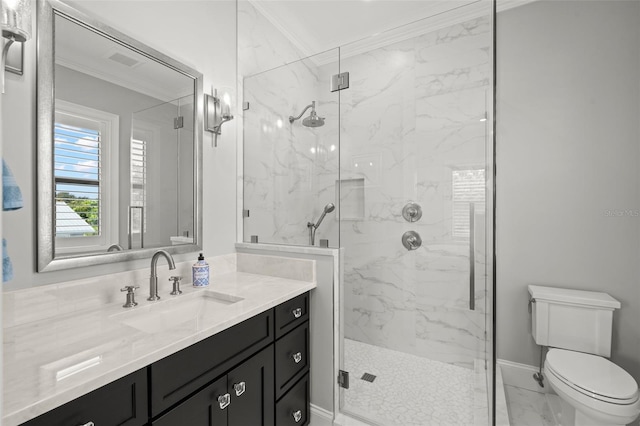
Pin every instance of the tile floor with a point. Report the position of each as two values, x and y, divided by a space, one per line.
408 390
528 408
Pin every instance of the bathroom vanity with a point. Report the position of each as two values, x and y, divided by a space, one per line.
241 376
241 357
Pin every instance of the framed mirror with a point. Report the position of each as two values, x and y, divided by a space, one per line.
119 142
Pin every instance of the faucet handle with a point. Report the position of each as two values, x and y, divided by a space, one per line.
131 296
176 285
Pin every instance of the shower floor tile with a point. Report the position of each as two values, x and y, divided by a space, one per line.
408 390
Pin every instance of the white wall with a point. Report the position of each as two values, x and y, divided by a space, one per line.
202 34
568 147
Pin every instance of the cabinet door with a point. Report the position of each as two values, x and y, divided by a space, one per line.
202 409
251 386
292 358
183 373
121 403
293 409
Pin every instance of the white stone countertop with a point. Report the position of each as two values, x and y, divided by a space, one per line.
41 357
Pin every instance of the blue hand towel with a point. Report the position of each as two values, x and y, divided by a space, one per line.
11 194
7 267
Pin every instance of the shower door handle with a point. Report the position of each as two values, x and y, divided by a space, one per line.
472 260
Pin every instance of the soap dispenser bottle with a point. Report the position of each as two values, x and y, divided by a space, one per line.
200 271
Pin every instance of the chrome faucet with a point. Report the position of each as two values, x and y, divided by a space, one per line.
153 279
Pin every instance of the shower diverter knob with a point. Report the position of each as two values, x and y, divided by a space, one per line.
411 240
412 212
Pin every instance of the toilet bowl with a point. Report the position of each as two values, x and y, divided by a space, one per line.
601 392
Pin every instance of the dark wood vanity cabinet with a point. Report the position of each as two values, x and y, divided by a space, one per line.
179 375
292 362
242 397
122 403
255 373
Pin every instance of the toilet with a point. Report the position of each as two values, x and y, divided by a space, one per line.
576 326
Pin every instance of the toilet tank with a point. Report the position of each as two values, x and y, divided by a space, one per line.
572 319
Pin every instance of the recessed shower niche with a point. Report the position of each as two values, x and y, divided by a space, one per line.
351 206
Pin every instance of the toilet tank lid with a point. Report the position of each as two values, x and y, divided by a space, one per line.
576 297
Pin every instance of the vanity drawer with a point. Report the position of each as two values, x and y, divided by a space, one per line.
121 403
292 313
292 358
179 375
293 408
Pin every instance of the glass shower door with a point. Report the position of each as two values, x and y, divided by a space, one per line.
414 170
290 165
161 147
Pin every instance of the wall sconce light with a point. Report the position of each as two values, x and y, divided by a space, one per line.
15 21
217 111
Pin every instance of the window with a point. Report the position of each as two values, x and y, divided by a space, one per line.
468 187
138 185
84 157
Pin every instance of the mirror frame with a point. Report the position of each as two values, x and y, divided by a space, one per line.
46 10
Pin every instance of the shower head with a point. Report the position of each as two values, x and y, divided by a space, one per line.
313 120
327 209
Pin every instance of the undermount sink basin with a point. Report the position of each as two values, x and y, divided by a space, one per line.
183 311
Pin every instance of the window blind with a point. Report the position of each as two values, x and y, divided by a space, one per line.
78 174
138 181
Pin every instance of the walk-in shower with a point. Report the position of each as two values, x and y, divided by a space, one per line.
412 129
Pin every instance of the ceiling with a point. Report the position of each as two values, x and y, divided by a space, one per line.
100 57
319 25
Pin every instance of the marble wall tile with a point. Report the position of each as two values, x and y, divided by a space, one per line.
289 170
276 266
261 46
420 123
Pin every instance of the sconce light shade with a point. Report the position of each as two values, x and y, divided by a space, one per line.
16 20
217 111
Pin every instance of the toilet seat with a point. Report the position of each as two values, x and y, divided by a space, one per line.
608 404
592 376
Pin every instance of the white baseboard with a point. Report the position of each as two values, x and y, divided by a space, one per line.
521 376
320 416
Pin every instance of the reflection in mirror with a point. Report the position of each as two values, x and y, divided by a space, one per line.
123 139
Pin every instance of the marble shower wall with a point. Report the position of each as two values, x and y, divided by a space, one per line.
289 170
405 128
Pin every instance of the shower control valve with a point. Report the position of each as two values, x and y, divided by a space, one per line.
412 212
411 240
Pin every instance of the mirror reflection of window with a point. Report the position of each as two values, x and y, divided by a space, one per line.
138 180
85 149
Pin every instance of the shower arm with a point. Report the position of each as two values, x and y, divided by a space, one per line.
292 118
